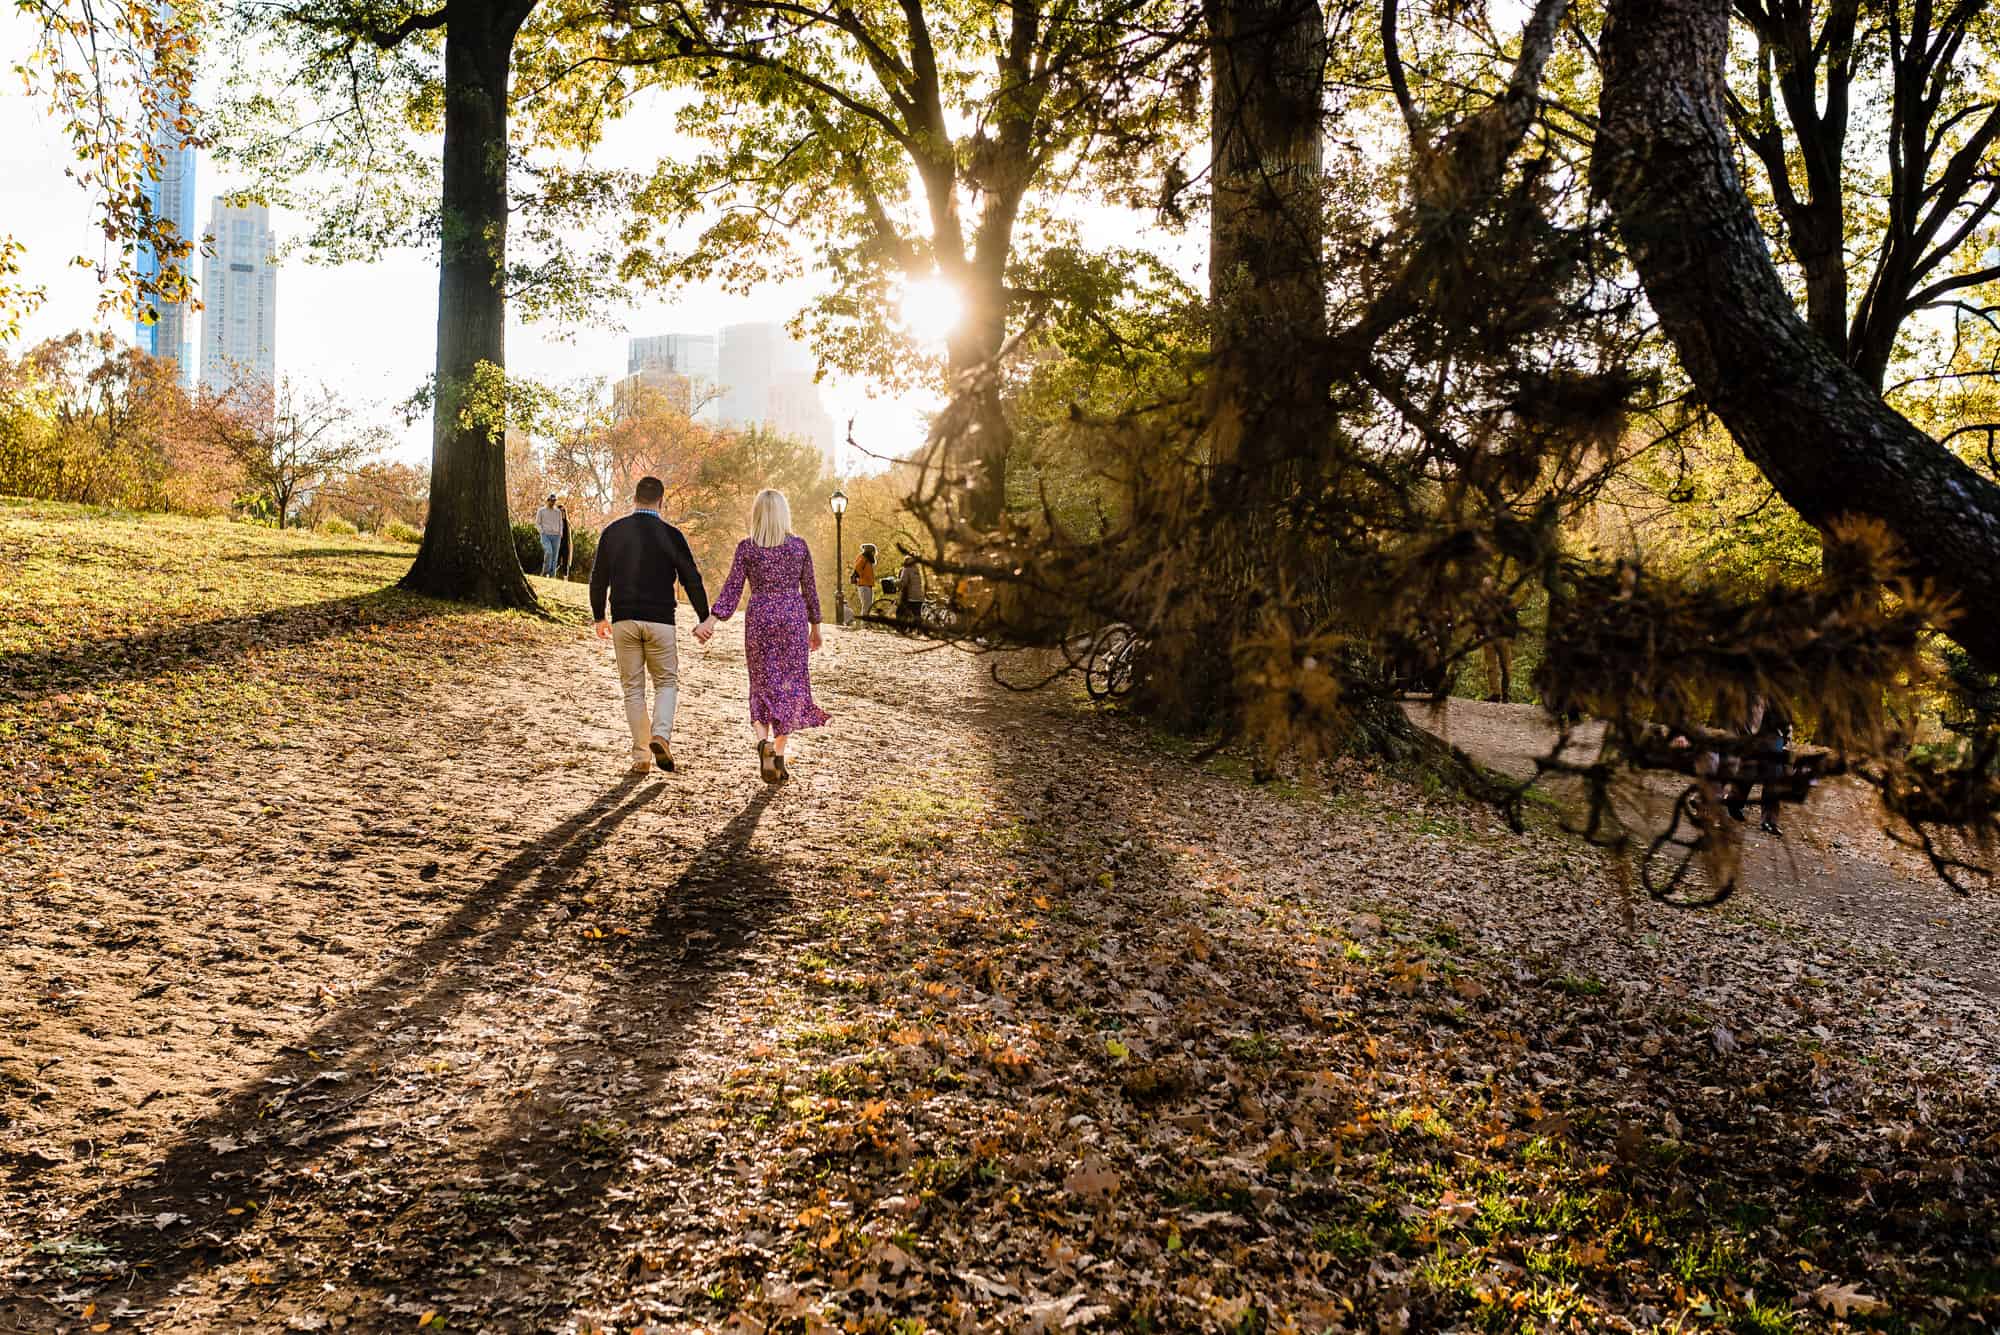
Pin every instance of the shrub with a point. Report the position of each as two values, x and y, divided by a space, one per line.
582 553
397 531
528 546
338 527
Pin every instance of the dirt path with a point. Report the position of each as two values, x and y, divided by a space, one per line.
436 1018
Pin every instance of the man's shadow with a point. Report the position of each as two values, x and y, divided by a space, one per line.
423 987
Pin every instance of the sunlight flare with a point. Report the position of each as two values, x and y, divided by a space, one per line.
931 309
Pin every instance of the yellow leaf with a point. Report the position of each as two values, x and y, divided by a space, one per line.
1117 1049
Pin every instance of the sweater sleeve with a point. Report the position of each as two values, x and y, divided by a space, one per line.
732 588
690 575
600 570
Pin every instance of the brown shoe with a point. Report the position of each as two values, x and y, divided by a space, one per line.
663 755
784 770
768 763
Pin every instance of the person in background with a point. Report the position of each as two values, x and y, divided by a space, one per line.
910 589
864 580
638 559
1769 728
780 629
562 557
549 523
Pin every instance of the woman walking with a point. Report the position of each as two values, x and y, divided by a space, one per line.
780 629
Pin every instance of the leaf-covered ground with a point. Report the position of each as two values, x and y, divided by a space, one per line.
410 1009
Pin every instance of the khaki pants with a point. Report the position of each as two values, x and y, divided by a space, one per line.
646 648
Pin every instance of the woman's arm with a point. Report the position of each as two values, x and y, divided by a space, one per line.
724 606
809 584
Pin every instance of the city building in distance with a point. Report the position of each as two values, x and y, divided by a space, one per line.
239 297
795 412
676 389
166 329
767 380
689 356
753 375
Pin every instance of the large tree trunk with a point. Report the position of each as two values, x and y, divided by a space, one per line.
980 456
468 548
1267 290
1821 435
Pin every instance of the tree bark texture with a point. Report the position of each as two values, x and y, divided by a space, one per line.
468 547
1821 435
1267 287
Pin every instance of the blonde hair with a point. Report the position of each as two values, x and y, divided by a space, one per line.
770 518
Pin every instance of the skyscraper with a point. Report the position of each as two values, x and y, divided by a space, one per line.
673 389
767 381
796 412
239 295
691 356
745 367
169 333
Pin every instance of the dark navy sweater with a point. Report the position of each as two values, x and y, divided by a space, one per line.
638 559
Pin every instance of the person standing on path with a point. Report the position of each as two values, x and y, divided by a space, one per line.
910 589
864 580
780 629
638 559
549 523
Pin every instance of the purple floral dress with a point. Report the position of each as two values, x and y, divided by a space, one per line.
783 600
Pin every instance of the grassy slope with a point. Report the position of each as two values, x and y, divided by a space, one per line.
131 645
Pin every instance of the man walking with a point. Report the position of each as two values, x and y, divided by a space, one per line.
638 559
549 522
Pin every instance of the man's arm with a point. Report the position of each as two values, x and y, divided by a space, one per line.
600 570
684 566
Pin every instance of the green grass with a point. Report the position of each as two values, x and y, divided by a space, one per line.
131 645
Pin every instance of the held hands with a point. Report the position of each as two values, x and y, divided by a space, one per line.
604 630
705 631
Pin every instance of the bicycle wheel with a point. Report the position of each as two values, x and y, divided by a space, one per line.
1100 678
1119 680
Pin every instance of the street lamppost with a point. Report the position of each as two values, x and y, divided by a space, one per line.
839 504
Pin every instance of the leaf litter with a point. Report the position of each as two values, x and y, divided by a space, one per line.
1002 1017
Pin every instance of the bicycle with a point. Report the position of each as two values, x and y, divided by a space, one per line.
938 615
1108 672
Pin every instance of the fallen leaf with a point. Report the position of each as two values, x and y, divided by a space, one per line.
1844 1300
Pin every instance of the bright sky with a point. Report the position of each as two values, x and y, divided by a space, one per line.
369 329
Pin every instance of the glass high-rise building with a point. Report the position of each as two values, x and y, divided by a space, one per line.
691 356
239 298
766 378
166 328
